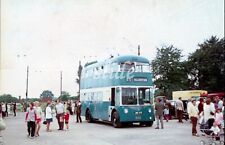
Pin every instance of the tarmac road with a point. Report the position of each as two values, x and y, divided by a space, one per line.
100 134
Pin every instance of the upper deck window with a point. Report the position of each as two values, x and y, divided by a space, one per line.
142 67
135 67
127 66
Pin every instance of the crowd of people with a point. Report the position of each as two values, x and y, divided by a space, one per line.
209 112
6 108
203 111
35 115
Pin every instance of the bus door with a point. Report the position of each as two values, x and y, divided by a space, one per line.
114 100
111 103
112 96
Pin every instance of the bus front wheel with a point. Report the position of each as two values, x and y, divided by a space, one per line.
88 116
115 120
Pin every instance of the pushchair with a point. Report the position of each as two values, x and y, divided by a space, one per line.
212 138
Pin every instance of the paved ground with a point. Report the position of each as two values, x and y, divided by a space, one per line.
100 134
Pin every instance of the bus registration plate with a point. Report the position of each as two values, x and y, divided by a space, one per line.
138 117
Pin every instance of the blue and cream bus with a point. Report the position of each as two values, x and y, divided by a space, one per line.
118 90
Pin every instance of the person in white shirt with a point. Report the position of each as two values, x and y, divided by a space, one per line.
209 112
73 107
30 120
219 117
180 109
60 114
189 105
48 116
193 115
220 104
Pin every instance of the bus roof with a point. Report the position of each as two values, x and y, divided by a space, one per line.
131 58
118 59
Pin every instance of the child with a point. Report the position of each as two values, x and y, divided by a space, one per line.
66 117
166 113
219 117
215 131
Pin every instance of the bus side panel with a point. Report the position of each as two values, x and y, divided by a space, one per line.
99 110
88 105
93 109
103 110
84 107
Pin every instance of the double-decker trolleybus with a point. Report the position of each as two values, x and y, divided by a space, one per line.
118 90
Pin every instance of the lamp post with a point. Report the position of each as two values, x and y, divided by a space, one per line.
79 75
27 76
60 83
27 85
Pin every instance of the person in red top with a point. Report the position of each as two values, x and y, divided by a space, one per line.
66 118
200 105
31 117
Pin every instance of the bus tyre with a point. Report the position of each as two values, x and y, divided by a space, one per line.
88 116
149 123
115 120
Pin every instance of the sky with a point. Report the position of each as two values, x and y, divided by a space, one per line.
51 36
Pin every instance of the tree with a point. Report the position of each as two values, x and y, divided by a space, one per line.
74 98
79 77
206 66
168 70
31 100
8 98
65 96
46 95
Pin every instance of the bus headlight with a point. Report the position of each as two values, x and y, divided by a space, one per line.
149 110
125 110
